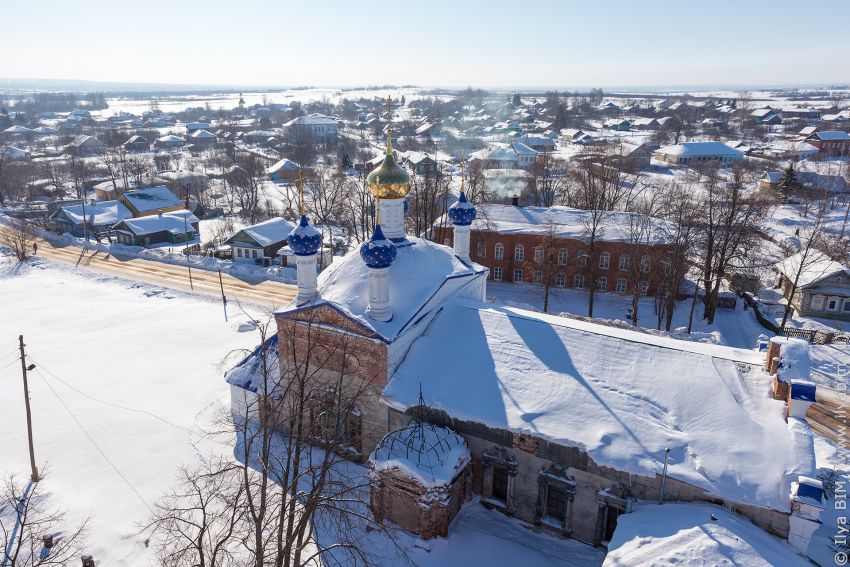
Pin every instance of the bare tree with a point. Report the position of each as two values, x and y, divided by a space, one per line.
805 257
19 236
31 532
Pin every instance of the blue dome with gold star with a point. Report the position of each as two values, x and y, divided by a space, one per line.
304 240
378 251
463 212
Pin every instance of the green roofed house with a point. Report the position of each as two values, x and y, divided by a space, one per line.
177 227
262 240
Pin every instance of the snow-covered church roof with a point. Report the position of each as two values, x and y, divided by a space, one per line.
621 395
422 276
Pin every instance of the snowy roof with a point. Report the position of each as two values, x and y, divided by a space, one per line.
151 198
201 134
794 362
170 138
620 395
136 140
100 213
816 267
15 153
313 119
248 373
422 276
680 534
175 222
831 135
567 222
283 165
268 232
700 149
431 454
16 129
45 130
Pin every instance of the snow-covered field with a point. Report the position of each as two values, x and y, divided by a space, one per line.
125 372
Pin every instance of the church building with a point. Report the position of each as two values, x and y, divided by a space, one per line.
563 423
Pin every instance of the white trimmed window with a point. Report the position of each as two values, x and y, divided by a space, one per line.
581 259
497 274
832 304
621 285
518 275
666 269
817 302
562 257
846 306
602 284
537 276
624 262
538 255
645 264
578 281
499 252
643 287
519 253
482 249
561 279
604 261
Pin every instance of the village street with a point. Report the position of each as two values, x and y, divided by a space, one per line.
270 293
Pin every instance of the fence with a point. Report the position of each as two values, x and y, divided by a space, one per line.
814 336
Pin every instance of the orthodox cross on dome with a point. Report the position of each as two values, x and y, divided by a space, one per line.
389 124
301 190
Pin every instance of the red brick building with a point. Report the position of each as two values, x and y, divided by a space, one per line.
531 244
832 143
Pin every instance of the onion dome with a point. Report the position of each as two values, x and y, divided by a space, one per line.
463 212
389 180
378 251
304 240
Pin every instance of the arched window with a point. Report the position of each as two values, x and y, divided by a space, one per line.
624 262
604 260
645 264
581 259
482 249
519 253
499 252
562 257
538 255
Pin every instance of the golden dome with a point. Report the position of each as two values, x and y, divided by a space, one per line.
389 180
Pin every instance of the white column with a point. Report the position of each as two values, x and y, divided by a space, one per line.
392 218
379 294
306 269
461 241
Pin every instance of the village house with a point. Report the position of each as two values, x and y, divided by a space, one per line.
421 163
177 227
318 127
283 171
511 156
201 138
136 144
698 153
83 145
525 244
89 219
823 285
260 242
150 201
565 424
830 143
169 142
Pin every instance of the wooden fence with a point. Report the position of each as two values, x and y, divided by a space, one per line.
814 336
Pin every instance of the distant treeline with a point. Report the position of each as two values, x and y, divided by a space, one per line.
37 103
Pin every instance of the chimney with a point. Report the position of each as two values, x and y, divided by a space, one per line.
515 200
304 241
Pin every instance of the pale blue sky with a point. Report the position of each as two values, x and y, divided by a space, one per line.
489 43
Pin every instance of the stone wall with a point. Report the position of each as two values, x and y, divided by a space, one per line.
596 485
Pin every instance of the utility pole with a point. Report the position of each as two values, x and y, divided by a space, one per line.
223 297
186 249
24 369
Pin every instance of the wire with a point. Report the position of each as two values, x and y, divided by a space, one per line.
89 396
94 443
8 365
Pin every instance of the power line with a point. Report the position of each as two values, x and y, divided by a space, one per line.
89 396
94 443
